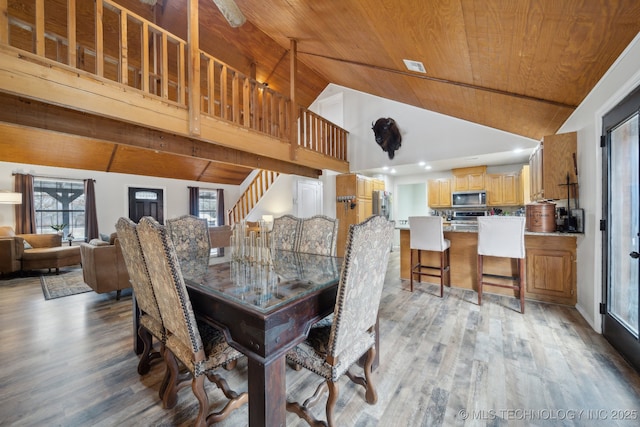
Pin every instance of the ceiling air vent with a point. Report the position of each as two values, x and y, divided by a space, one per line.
416 66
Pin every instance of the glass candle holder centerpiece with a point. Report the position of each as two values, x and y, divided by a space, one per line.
251 263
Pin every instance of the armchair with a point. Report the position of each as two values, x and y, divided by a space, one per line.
11 249
103 266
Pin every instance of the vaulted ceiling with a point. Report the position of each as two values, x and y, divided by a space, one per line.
521 66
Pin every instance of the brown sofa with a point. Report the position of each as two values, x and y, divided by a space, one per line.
44 251
103 267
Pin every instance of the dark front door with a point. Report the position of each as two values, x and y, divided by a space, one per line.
621 240
146 202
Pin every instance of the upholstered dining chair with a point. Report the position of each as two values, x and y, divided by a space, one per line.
318 235
150 320
502 236
201 348
426 234
190 237
285 232
330 351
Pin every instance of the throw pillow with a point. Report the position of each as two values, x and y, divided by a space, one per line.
27 245
104 237
98 242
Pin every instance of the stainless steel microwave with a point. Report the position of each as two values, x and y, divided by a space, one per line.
469 199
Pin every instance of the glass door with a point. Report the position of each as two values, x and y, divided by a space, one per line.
622 231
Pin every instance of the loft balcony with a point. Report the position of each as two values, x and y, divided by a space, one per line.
129 90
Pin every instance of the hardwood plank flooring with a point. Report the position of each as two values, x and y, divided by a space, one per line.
443 362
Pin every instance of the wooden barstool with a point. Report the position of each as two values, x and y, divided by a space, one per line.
425 234
502 236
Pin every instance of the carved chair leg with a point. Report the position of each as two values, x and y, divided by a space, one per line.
331 401
143 365
170 397
371 396
197 385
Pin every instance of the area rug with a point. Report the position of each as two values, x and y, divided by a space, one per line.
68 282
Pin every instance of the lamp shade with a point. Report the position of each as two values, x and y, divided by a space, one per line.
10 198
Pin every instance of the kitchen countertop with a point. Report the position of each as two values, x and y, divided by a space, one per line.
464 228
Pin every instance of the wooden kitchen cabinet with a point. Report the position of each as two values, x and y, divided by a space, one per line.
471 178
551 269
524 195
439 193
502 189
550 164
361 188
550 265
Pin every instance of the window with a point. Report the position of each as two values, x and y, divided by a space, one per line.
59 203
208 206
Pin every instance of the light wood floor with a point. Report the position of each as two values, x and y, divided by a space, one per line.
69 362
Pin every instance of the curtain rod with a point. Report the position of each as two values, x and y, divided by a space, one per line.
57 178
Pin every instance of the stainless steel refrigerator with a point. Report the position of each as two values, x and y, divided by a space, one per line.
382 203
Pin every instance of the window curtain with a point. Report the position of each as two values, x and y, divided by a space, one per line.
194 201
91 215
26 212
221 215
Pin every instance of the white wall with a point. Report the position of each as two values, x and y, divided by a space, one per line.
111 191
426 135
617 83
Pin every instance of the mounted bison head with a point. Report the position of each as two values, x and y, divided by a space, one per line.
387 135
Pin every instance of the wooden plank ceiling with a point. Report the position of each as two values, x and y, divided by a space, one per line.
521 66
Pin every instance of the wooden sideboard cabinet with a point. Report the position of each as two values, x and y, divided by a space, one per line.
439 193
550 164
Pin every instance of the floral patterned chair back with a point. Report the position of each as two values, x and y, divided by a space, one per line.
150 319
190 237
318 235
285 233
331 350
199 347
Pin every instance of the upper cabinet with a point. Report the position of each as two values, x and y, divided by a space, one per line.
439 193
472 178
503 189
552 165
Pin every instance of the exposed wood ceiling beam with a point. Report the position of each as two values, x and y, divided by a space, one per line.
30 113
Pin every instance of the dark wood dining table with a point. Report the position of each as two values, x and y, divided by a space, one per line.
264 312
263 316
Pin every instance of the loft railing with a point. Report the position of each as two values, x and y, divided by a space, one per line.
233 96
139 54
249 199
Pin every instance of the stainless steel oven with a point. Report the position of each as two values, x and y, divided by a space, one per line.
467 217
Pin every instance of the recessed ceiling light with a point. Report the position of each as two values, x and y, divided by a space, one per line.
427 167
421 164
416 66
393 171
384 168
518 150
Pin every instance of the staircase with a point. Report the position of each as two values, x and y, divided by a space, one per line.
249 199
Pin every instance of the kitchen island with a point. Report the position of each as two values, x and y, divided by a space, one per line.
550 263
